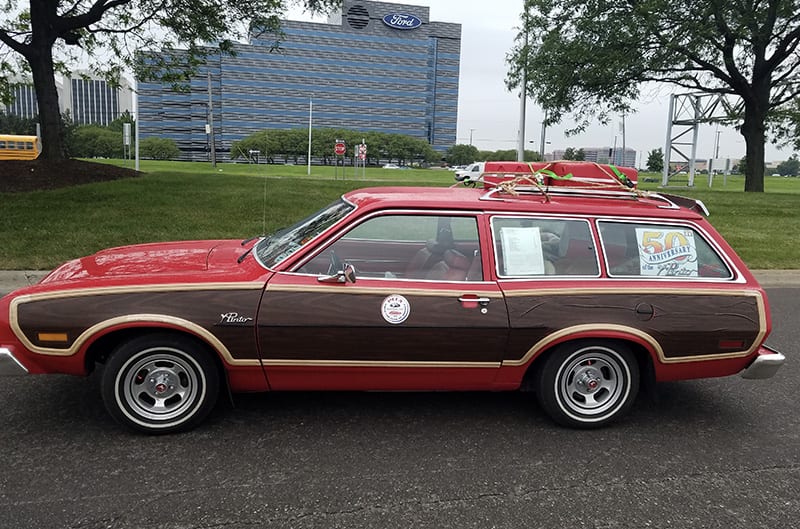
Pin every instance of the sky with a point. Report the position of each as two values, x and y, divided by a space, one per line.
490 114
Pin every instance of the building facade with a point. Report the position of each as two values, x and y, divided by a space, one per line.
373 66
94 101
615 156
24 104
88 100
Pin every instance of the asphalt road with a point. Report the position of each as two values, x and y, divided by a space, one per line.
711 453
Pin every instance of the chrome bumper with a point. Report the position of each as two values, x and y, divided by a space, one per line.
765 365
10 366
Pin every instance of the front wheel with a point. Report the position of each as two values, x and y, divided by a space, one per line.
160 383
588 384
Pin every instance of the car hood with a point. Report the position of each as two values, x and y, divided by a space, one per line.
149 259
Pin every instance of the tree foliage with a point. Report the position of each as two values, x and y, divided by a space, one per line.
590 59
157 148
790 167
41 37
292 144
571 153
655 161
461 154
507 155
11 124
94 141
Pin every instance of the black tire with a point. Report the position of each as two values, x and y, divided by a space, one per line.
160 383
588 384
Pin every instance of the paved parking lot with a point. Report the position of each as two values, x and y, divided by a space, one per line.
712 453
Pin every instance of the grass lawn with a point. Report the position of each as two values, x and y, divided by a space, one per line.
175 200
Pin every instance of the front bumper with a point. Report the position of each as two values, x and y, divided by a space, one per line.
10 366
765 365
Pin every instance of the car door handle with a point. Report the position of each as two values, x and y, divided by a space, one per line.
472 301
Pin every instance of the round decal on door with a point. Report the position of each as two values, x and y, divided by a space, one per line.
395 309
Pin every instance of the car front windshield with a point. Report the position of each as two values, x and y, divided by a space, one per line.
273 249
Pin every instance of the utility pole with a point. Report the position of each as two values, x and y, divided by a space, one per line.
470 136
212 145
543 136
523 94
623 139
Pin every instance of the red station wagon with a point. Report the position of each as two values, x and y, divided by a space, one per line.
560 278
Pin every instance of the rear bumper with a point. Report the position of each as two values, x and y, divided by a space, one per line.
765 365
10 366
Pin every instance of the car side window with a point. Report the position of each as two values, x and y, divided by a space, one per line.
395 246
659 250
526 246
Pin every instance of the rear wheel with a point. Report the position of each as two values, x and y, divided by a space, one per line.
588 384
160 383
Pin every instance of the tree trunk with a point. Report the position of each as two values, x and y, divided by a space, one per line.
39 54
754 133
47 99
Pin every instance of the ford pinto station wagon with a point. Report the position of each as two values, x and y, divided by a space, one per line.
559 278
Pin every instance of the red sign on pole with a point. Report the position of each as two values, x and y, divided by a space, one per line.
339 148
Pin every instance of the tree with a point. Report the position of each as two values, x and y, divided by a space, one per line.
94 141
569 153
461 154
580 155
655 161
592 60
42 37
159 148
11 124
739 167
790 167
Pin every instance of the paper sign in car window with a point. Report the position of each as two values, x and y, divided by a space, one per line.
665 251
522 251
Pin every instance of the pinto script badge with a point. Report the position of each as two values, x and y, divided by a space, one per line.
233 318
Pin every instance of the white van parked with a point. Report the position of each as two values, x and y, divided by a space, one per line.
471 174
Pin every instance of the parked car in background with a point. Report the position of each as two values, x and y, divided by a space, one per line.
559 278
391 166
471 174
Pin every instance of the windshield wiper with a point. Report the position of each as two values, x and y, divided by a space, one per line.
245 254
251 239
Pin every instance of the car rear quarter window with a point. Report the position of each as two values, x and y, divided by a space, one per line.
659 250
529 247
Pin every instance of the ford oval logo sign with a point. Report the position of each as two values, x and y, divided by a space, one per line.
398 21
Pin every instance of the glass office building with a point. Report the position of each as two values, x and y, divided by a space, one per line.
373 67
88 100
23 103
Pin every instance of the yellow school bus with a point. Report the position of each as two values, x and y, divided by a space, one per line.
14 147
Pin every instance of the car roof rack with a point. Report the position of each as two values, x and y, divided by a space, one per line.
503 180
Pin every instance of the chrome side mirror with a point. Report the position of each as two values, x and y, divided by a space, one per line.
348 275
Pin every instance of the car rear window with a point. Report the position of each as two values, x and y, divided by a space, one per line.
659 250
527 246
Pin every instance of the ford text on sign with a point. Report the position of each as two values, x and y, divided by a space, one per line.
398 21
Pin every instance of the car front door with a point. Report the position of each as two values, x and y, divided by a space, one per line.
419 315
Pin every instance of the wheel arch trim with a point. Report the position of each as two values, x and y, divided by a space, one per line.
602 331
132 321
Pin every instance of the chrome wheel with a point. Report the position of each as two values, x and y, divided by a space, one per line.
588 384
160 383
592 382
